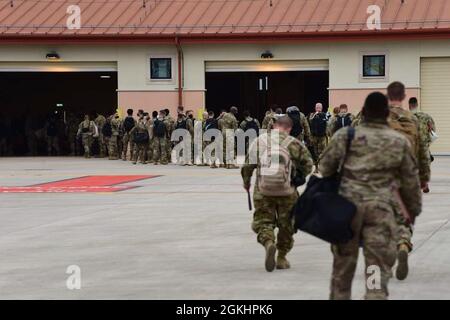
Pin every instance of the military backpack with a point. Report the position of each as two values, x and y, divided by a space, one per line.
275 169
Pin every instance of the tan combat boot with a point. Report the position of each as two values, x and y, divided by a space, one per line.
402 258
282 262
213 166
270 255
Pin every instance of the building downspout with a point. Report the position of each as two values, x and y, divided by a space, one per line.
180 71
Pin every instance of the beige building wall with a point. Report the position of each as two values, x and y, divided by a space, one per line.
135 89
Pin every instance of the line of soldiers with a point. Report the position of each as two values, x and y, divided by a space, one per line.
315 130
386 170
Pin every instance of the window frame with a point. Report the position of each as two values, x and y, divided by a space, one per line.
377 78
149 68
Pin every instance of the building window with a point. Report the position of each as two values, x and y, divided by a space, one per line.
374 66
160 68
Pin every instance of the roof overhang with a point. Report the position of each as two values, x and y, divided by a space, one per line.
378 35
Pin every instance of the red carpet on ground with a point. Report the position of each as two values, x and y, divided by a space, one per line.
80 184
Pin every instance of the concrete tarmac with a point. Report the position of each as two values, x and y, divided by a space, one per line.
183 235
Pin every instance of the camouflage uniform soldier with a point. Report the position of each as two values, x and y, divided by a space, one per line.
210 124
427 124
273 209
229 122
170 126
379 164
407 124
100 121
160 140
127 124
301 129
87 130
269 120
113 145
149 125
141 138
319 138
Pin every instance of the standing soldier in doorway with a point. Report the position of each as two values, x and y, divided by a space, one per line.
113 145
230 123
160 139
275 194
100 121
318 122
52 135
72 129
140 138
127 124
170 126
87 130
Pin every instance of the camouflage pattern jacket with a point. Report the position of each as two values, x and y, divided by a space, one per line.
427 125
229 121
420 149
379 160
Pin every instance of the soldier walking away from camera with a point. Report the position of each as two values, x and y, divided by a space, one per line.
275 192
160 139
341 120
427 126
87 130
127 124
300 129
407 124
318 122
379 166
100 121
140 137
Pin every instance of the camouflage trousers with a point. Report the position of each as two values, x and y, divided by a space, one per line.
375 229
113 152
271 213
52 145
140 152
405 231
318 145
160 150
209 157
86 141
150 150
102 145
127 142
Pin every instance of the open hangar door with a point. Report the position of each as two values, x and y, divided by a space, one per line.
258 85
33 94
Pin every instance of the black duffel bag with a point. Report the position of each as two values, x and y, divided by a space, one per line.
321 211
